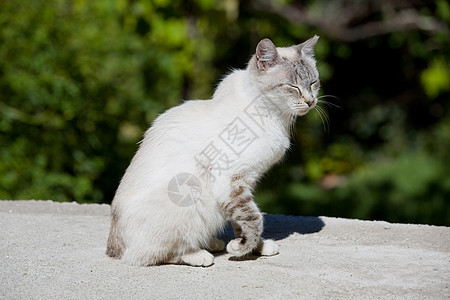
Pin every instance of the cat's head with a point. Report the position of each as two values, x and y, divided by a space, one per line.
287 76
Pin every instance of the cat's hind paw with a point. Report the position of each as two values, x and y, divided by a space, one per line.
267 248
216 245
201 258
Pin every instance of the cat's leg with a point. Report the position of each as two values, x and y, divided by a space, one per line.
265 247
237 229
200 258
216 245
245 216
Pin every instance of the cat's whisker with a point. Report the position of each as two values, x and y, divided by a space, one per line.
293 118
323 117
328 96
325 113
288 118
324 121
327 118
284 118
327 102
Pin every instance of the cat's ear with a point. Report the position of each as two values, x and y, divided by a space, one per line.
266 54
307 48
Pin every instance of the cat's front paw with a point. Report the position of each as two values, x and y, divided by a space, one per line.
267 248
237 248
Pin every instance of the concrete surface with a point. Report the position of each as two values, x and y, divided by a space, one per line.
56 251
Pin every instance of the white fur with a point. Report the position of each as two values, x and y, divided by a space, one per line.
153 228
268 248
152 224
200 258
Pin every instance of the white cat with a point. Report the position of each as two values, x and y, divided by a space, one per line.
199 162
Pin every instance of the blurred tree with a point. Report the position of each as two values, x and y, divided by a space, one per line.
390 68
80 82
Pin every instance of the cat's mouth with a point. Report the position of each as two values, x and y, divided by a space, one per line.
302 108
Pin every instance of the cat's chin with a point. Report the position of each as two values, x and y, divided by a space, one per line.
302 112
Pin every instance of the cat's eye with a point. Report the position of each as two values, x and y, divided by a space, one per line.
292 86
297 89
315 84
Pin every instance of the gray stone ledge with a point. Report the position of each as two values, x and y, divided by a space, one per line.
56 251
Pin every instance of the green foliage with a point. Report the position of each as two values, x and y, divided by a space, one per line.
80 82
79 85
414 188
436 78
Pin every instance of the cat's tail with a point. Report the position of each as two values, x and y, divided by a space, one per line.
115 245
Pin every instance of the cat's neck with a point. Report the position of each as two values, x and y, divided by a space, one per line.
237 91
235 88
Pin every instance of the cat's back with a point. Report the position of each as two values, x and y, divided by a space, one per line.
167 146
175 139
181 124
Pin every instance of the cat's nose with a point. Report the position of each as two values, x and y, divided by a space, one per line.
309 102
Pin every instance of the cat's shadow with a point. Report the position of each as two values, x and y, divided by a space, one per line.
278 227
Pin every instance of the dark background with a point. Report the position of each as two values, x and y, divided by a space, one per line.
80 81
